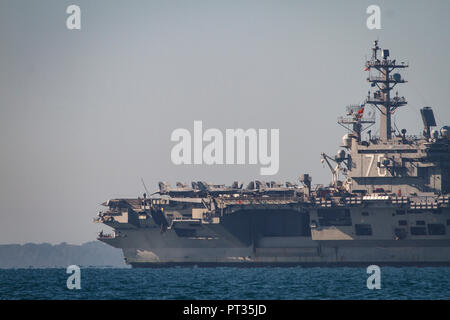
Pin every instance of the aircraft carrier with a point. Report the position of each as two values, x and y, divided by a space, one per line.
387 204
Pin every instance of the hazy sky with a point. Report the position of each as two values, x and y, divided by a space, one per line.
84 114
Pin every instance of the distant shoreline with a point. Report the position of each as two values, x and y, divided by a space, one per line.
93 254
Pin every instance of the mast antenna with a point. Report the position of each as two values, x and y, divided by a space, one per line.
383 83
145 188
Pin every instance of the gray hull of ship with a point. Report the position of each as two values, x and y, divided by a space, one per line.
151 248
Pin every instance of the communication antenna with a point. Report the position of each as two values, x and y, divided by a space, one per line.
383 83
395 125
145 188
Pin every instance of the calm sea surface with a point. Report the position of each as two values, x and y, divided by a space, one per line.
226 283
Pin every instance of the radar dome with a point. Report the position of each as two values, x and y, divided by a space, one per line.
340 155
435 134
346 141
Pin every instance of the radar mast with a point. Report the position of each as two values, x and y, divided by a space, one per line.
384 82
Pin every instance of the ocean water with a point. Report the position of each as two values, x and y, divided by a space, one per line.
227 283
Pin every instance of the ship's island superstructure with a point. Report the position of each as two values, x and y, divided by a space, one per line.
391 207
